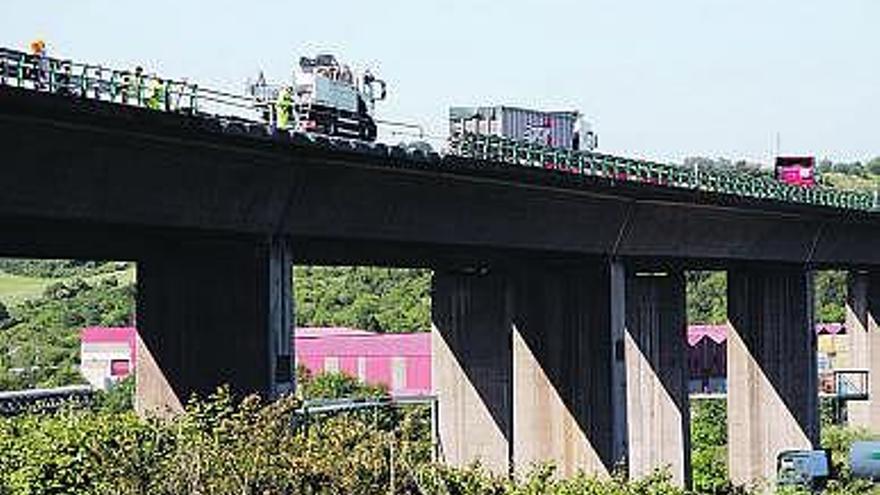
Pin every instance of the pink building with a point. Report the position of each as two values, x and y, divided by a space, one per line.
107 354
400 361
403 361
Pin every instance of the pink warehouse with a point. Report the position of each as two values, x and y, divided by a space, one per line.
403 361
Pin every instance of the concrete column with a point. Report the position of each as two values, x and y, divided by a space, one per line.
657 375
862 315
771 368
471 367
566 376
211 313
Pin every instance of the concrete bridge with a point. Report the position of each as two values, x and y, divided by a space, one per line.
558 300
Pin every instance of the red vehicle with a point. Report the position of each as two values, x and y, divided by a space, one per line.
796 170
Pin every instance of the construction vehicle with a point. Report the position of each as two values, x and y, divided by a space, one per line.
328 98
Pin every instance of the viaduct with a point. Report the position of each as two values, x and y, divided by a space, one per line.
558 300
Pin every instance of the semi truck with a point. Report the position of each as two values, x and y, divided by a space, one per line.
561 129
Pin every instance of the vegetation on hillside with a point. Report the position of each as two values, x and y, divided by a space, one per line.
856 175
39 337
369 298
707 296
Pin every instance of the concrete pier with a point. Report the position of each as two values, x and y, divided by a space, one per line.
210 313
772 391
471 367
564 369
862 314
656 374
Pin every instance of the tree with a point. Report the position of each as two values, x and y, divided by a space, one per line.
874 166
5 317
706 297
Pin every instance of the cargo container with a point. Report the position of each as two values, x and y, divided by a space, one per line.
556 129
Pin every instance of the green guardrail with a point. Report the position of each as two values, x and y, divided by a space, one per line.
134 87
749 184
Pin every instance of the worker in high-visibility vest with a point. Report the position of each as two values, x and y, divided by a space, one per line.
41 63
284 107
156 94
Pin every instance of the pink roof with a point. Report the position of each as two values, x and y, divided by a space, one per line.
90 335
830 328
718 333
362 343
322 332
107 334
696 333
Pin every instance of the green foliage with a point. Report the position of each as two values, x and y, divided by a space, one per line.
706 297
57 268
41 347
225 446
5 316
709 441
838 439
370 298
830 293
334 386
119 398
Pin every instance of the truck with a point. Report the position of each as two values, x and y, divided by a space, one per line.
557 129
327 98
796 170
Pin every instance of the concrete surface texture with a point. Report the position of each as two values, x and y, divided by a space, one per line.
772 382
563 366
657 374
471 367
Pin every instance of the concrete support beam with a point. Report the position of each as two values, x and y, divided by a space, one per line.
657 375
771 368
471 367
567 388
862 316
211 313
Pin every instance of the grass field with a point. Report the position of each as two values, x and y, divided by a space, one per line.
16 289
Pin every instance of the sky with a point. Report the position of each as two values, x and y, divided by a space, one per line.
657 79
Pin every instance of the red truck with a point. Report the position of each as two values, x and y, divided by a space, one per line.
796 170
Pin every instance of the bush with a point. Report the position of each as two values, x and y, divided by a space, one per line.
709 440
224 446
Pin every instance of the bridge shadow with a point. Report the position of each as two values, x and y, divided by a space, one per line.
202 314
657 373
470 317
563 319
771 347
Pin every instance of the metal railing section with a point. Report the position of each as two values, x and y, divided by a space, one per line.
742 183
44 400
127 87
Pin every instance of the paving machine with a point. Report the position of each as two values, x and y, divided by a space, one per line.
324 97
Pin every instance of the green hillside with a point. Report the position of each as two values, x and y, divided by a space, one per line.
16 289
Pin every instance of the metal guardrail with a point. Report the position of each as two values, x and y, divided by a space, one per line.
750 184
314 407
128 87
136 88
44 399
